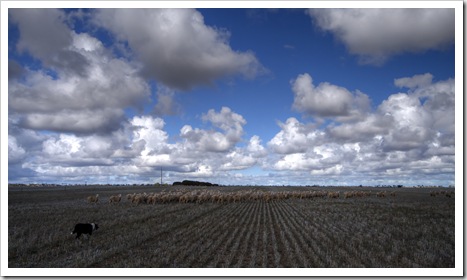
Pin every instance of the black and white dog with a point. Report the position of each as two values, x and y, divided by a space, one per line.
84 229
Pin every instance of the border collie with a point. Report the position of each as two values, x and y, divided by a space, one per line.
84 229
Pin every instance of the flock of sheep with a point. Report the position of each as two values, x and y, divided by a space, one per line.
216 196
112 199
385 193
446 193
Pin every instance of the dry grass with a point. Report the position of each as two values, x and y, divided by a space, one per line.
287 228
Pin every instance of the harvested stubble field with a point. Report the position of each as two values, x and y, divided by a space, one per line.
277 228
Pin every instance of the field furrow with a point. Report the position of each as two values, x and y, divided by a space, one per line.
194 240
153 231
190 241
326 233
282 243
211 250
64 246
231 247
243 254
299 235
263 253
274 243
254 248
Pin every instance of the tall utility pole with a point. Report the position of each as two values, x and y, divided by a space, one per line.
161 175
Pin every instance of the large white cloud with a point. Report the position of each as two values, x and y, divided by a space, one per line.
410 133
92 102
417 124
294 137
376 34
255 148
16 153
176 47
228 121
406 120
411 122
75 121
415 81
362 131
231 126
245 157
327 100
150 130
142 146
44 34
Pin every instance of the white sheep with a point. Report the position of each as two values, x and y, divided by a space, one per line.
115 198
333 195
93 199
381 194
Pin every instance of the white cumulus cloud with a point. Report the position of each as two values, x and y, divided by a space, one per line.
176 47
415 81
44 34
16 153
327 100
294 137
408 134
92 101
377 34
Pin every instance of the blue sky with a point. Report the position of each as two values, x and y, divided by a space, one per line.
232 96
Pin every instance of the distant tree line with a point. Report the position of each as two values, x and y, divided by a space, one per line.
194 183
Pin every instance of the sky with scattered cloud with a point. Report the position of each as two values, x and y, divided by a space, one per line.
232 96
